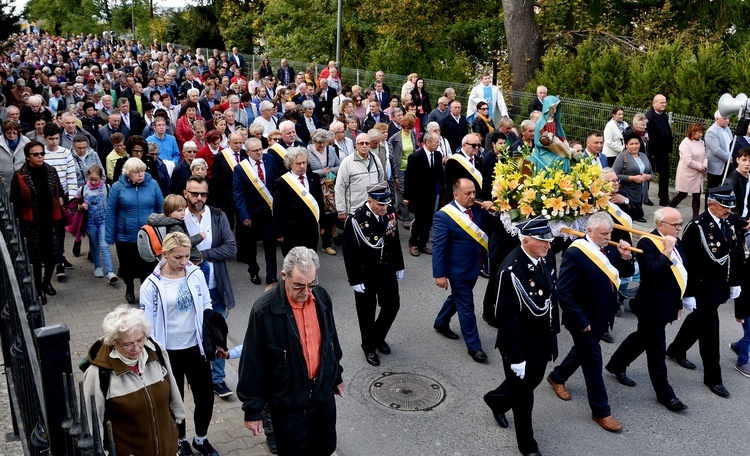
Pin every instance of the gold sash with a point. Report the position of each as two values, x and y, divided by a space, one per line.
678 268
303 193
471 228
229 157
469 167
257 183
598 258
619 215
279 150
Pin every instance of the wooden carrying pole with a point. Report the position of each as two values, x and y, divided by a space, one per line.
637 231
579 234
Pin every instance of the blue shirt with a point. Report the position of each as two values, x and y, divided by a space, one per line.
168 149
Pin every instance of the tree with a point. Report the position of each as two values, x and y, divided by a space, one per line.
8 19
524 41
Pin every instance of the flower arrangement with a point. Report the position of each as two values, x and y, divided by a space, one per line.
554 194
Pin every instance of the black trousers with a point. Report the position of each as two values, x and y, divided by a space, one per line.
261 231
648 337
661 160
309 432
702 325
586 354
501 244
420 229
190 364
518 394
381 289
132 266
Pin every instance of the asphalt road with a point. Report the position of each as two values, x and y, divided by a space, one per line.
462 423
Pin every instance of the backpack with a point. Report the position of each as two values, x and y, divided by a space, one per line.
104 373
149 242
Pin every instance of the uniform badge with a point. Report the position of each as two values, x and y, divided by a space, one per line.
376 238
532 284
541 292
304 193
718 244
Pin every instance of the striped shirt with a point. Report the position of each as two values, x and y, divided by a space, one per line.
63 162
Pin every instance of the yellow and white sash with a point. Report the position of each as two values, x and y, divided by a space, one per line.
678 268
622 218
469 167
293 181
279 150
229 157
471 228
252 174
598 258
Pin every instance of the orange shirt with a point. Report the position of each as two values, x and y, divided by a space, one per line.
306 317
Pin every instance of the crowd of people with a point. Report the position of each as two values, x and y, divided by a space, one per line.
124 136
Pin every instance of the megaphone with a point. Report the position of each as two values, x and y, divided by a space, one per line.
729 105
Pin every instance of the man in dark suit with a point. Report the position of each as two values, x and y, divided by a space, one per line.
657 303
297 203
660 144
394 126
289 139
459 239
326 95
252 185
382 94
374 116
374 266
130 119
205 103
529 322
454 126
114 125
714 255
536 103
465 163
285 74
422 187
237 58
587 292
222 172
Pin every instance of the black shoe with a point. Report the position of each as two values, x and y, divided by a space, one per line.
255 278
500 417
684 362
76 249
446 331
42 298
49 290
90 257
206 449
183 448
478 355
640 220
622 378
648 203
484 273
734 349
67 264
719 390
270 280
384 348
492 321
271 442
372 359
60 272
674 405
608 338
663 203
337 240
130 294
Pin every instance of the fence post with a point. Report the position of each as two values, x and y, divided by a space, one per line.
53 347
357 76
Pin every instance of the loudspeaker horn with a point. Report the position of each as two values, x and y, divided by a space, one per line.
729 105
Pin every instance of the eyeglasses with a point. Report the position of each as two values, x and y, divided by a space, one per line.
674 225
302 286
131 345
359 143
475 146
254 151
37 154
484 109
189 151
198 194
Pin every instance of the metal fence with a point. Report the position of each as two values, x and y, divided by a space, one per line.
46 411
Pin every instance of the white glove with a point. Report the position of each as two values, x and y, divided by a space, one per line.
399 275
734 292
688 303
359 288
519 369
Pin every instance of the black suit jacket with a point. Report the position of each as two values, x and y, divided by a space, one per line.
455 171
363 263
420 181
707 279
137 124
205 109
659 297
303 134
524 335
326 106
144 100
454 131
370 122
489 160
292 218
586 294
535 105
220 184
250 204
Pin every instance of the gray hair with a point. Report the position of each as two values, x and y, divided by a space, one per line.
198 162
527 123
598 220
193 91
304 259
124 320
292 153
659 215
285 124
252 142
321 134
429 136
396 110
308 104
337 124
432 126
375 134
640 119
505 121
133 165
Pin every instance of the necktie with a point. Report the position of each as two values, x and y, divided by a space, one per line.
237 157
471 216
302 179
471 160
601 249
379 99
432 163
261 176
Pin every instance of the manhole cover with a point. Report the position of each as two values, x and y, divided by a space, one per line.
407 392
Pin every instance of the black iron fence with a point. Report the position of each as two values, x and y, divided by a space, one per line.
48 414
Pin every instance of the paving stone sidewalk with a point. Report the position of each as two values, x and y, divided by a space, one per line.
83 301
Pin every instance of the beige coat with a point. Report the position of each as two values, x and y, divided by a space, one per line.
692 159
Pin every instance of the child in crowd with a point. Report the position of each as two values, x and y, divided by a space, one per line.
173 219
94 194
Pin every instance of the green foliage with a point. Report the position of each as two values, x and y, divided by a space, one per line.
237 27
65 16
194 27
8 19
123 14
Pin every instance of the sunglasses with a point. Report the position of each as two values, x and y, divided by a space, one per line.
198 194
37 154
473 145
